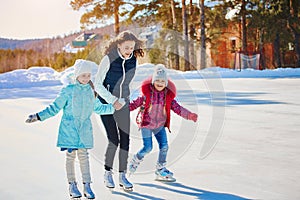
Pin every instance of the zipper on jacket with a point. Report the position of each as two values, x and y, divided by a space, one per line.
123 78
123 67
157 109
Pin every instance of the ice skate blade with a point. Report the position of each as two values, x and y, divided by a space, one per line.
85 197
166 179
126 189
110 188
75 198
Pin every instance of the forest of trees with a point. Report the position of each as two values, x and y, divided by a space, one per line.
23 59
188 27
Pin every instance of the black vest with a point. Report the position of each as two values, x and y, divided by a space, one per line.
116 81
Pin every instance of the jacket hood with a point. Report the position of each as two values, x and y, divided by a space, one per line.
68 76
147 87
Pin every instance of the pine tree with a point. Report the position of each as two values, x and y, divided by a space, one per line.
102 11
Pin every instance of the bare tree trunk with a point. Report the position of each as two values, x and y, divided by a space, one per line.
18 64
116 15
293 26
203 37
191 7
297 48
175 39
48 49
261 45
244 28
185 36
276 45
192 35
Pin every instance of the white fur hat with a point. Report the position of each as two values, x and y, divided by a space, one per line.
83 66
160 72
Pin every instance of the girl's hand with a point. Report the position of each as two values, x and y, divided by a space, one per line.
32 118
119 104
122 101
193 116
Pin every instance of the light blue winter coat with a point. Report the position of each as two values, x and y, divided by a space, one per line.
78 102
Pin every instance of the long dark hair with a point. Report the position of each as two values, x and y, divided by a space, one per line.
93 88
126 36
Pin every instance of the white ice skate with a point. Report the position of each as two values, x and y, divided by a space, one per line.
108 179
87 191
124 183
164 175
134 163
73 190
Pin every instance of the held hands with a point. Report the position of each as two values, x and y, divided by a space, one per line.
32 118
193 116
119 103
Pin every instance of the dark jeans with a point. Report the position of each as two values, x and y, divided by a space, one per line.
117 128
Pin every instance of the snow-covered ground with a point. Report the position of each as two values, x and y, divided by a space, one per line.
245 145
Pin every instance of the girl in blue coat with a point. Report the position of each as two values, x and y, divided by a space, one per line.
78 101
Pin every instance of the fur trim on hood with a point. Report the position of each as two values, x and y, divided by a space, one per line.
147 84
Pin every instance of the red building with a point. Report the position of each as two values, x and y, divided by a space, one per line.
225 51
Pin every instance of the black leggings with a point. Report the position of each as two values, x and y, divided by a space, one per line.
117 128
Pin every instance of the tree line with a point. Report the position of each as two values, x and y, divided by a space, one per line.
261 21
188 27
23 59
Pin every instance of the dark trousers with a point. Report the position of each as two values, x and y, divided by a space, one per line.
117 128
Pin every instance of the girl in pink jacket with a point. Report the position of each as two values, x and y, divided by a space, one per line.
156 102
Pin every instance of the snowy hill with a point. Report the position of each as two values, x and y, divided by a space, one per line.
40 76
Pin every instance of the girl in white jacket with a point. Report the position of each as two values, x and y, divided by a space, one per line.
116 71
